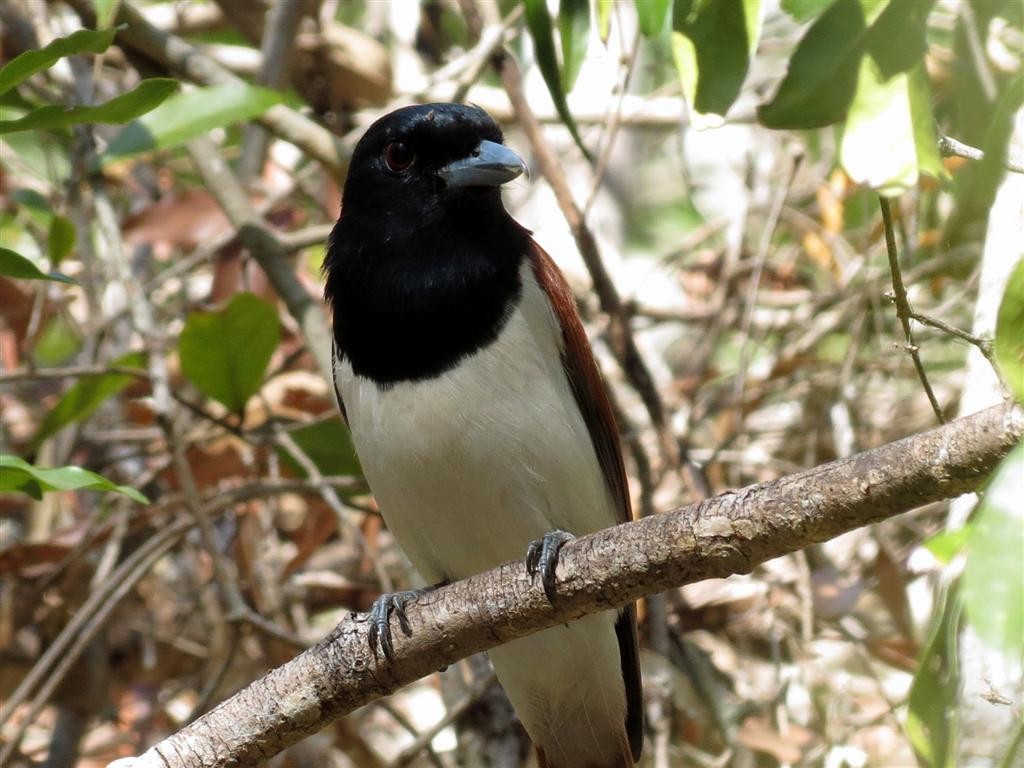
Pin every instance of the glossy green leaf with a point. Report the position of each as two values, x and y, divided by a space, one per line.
993 584
931 710
877 147
22 67
13 264
225 353
86 395
60 239
712 50
192 113
328 444
142 99
803 10
652 15
16 474
822 76
574 29
1009 341
604 19
896 40
538 22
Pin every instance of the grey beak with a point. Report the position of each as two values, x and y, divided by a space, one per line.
490 165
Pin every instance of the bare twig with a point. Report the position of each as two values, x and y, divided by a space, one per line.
760 258
903 311
70 372
950 147
984 345
278 38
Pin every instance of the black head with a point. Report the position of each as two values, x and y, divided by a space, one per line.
427 160
423 264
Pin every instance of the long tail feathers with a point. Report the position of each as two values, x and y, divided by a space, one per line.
623 760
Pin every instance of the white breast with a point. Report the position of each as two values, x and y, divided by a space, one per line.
472 465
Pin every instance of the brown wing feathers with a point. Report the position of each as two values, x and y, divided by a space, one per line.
592 399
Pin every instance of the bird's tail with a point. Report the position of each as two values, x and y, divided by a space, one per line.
622 760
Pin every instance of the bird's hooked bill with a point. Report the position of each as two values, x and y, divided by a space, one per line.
490 165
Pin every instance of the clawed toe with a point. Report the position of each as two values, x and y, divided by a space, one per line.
542 557
380 619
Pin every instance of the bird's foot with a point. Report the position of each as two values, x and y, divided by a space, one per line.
380 618
542 557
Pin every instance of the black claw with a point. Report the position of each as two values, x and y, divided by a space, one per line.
380 619
542 557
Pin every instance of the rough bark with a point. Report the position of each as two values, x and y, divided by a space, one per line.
727 534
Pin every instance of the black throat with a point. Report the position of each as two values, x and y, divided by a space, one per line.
414 294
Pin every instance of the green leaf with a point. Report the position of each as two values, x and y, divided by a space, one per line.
713 60
128 106
604 19
61 239
993 583
1009 341
878 147
802 10
931 710
896 40
225 353
86 395
328 444
652 15
574 28
948 544
539 23
32 200
106 12
926 139
13 264
18 475
822 76
191 114
58 343
22 67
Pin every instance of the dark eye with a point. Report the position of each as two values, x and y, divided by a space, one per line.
399 156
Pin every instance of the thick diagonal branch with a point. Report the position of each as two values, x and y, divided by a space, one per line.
727 534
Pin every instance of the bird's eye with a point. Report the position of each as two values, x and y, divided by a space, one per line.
399 156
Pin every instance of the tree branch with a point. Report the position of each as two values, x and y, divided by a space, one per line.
727 534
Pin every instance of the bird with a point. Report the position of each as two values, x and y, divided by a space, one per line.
477 410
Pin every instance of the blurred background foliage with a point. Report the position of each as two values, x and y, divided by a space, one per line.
807 214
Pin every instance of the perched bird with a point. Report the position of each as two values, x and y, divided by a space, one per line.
477 409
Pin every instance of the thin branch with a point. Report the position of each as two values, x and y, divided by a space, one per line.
278 38
950 147
731 533
903 311
72 371
984 345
